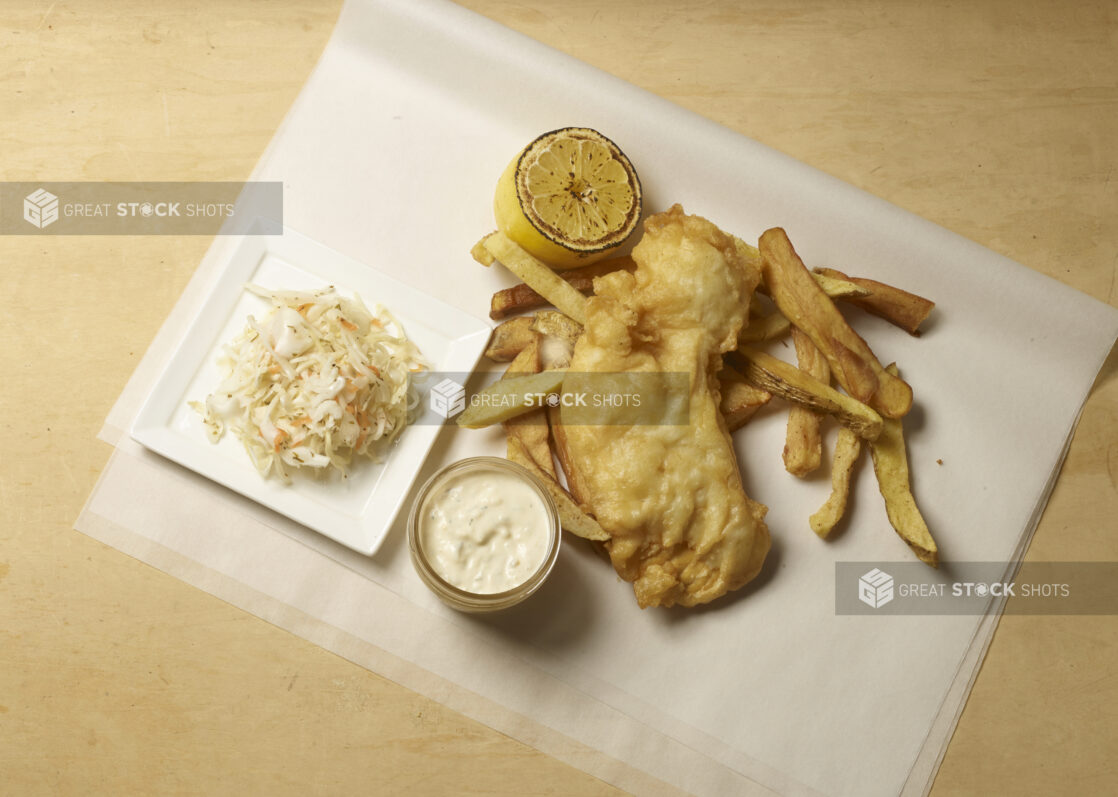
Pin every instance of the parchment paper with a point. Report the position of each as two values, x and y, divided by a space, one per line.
390 155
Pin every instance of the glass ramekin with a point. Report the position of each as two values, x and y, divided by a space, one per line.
456 597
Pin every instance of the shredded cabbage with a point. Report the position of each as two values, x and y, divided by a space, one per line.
317 382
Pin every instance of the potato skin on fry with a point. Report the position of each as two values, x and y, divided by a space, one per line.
890 464
847 448
808 307
531 427
527 360
572 517
790 383
510 338
803 446
770 326
563 454
899 307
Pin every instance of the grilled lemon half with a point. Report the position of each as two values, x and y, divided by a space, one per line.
569 197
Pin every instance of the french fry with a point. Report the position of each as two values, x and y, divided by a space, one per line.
521 297
803 444
847 448
510 338
835 286
531 427
571 516
562 453
901 308
790 383
757 304
839 287
527 360
800 298
740 399
479 253
530 432
770 326
508 397
540 277
764 328
890 465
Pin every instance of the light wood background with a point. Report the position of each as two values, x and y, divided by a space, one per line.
998 120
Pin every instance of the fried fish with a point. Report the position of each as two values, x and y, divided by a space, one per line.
681 527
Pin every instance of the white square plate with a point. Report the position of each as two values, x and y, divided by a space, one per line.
359 510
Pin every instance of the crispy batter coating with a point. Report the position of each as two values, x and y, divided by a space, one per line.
681 527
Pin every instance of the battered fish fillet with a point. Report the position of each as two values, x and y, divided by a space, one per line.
682 528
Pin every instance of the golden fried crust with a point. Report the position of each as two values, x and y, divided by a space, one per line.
682 529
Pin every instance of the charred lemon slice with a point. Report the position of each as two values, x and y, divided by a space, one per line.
569 197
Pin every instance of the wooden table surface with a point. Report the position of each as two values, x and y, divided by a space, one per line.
998 120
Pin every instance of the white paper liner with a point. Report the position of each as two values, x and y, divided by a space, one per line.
731 700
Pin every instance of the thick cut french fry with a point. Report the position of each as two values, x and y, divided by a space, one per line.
479 253
901 308
531 427
804 303
563 454
839 287
790 383
832 284
530 431
764 328
847 448
800 298
540 277
527 360
803 444
890 465
770 326
520 297
510 338
508 397
740 399
572 517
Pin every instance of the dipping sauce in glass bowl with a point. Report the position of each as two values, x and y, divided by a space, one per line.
483 534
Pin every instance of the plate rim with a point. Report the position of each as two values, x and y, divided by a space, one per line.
151 425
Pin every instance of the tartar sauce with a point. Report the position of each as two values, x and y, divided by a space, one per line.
485 532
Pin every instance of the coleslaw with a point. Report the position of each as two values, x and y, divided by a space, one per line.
316 383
